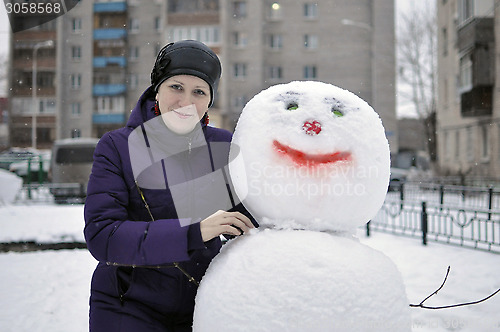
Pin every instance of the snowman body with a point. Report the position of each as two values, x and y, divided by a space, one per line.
310 161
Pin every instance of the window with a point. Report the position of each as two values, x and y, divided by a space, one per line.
447 148
76 81
485 151
157 23
75 109
134 25
457 145
240 70
76 52
276 42
109 105
208 34
310 10
311 42
275 72
239 9
240 39
76 24
465 11
470 145
445 41
133 81
465 75
310 72
133 53
46 106
75 133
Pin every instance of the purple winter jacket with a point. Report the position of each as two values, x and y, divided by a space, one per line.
119 231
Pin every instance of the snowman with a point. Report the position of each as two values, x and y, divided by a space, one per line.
310 161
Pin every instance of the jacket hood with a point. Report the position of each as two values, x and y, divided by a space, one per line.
143 110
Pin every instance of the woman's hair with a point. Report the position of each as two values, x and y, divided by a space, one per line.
187 57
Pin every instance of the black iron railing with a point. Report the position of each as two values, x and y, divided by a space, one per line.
457 224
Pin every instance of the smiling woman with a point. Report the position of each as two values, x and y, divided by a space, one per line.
158 199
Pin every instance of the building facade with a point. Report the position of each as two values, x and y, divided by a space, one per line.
103 53
468 109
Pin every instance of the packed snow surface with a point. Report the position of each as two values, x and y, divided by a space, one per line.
49 290
288 280
311 163
309 155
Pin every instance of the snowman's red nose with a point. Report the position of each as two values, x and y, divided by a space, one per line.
312 127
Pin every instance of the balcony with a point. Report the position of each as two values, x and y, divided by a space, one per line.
109 61
110 7
99 90
118 118
477 102
113 33
476 43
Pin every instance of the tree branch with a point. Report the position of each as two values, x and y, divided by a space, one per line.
421 304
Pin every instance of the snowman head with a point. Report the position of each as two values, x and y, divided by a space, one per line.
310 155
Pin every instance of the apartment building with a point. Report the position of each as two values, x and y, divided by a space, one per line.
468 109
103 52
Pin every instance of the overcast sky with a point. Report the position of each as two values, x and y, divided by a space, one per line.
403 108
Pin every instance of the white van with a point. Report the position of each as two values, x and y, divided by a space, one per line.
70 167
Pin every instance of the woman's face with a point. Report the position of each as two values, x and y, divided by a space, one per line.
183 100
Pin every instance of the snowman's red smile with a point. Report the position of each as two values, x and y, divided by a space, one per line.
303 158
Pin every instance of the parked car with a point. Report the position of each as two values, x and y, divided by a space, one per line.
70 167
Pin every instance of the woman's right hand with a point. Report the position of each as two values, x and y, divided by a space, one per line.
223 222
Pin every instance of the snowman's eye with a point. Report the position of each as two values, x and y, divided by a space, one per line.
337 113
292 106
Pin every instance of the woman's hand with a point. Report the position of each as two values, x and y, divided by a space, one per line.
222 222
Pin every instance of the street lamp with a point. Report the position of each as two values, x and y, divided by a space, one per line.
47 43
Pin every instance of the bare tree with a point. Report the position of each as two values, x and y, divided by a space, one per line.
417 57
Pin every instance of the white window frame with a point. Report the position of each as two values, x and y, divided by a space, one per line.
465 72
76 52
239 9
76 81
485 143
134 25
240 70
310 72
133 53
276 42
310 11
76 24
276 73
470 144
240 39
311 41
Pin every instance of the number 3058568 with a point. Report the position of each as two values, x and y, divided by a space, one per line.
33 8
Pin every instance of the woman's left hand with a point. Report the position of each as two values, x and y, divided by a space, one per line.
222 222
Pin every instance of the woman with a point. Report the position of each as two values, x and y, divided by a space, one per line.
152 216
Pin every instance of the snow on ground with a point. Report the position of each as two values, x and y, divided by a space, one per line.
48 291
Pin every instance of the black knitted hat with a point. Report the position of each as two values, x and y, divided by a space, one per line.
187 57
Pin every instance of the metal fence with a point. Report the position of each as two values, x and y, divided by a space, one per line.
464 216
42 193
